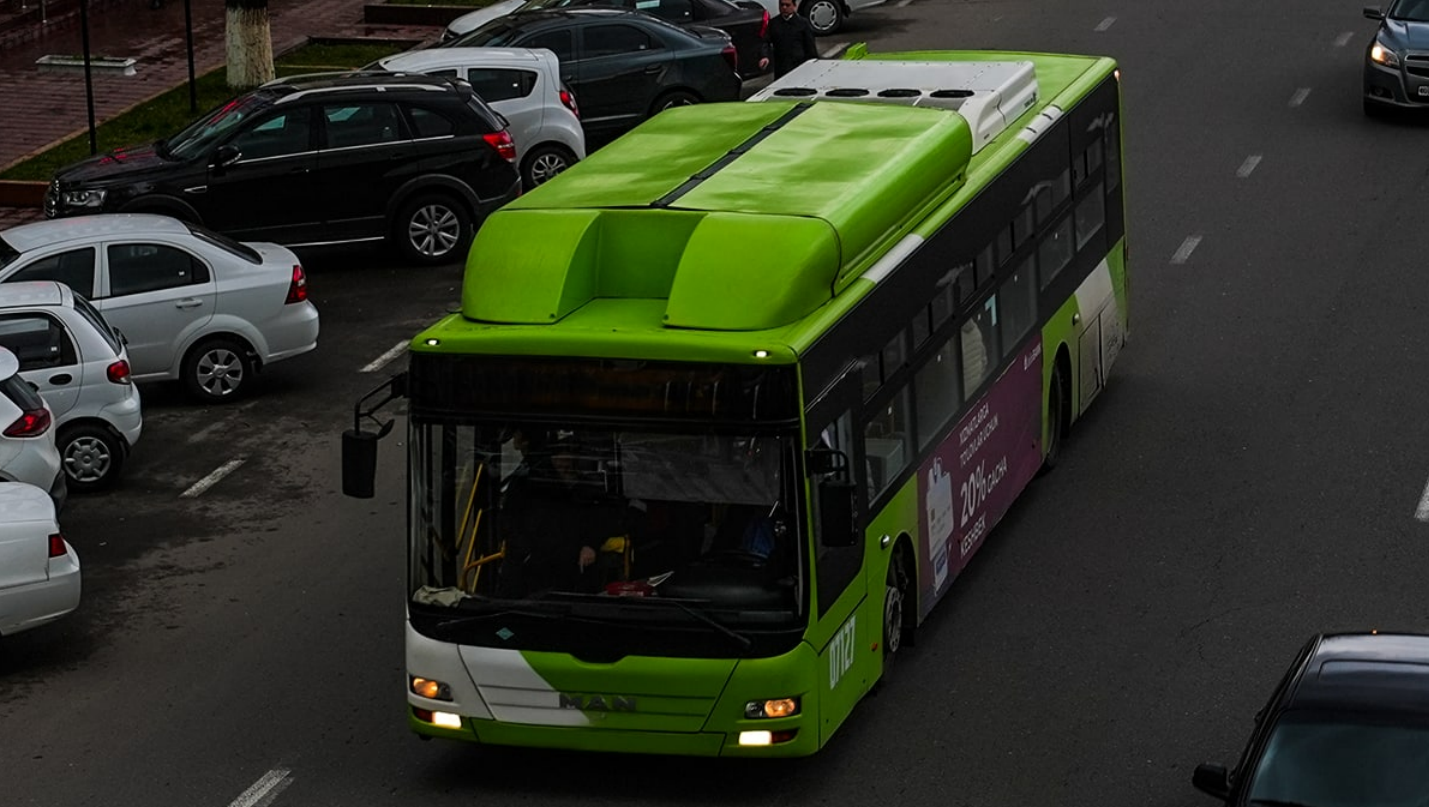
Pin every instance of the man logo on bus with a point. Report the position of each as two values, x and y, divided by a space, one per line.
597 703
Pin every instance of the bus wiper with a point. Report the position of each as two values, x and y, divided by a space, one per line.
500 609
656 602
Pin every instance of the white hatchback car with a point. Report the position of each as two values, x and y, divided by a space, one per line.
27 442
39 570
78 364
192 304
524 85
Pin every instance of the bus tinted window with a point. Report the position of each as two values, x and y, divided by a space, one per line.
1019 303
1113 156
1055 250
885 444
1091 214
935 389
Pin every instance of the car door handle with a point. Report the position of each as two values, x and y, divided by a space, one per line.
654 68
188 302
62 378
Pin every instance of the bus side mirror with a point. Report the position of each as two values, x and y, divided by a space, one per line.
359 448
359 463
836 513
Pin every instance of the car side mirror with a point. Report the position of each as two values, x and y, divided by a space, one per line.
225 156
1373 12
1212 779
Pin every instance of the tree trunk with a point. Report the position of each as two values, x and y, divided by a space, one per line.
250 44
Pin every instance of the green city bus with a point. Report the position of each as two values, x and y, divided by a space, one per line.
729 405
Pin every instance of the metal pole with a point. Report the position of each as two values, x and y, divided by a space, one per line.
189 39
88 78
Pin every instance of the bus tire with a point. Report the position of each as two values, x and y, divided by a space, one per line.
1058 409
897 599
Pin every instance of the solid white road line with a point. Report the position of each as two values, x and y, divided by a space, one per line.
1423 512
833 51
381 361
1105 24
262 792
1187 247
1249 165
212 479
1344 39
1299 97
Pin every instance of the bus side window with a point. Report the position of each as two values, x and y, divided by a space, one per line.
1113 155
886 444
979 347
1055 251
1019 303
836 567
935 390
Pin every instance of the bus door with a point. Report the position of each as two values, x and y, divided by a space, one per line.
1101 337
839 630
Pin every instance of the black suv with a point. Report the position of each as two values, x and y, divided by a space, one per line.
318 159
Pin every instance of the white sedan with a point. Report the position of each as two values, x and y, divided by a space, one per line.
39 570
192 304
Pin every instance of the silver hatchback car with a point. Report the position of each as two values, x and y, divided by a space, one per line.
76 361
192 304
524 85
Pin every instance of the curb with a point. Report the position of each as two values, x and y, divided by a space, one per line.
21 193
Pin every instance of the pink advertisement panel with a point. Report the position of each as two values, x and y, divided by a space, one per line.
974 475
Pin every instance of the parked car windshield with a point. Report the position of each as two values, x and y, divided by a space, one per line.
1340 759
226 244
8 254
201 135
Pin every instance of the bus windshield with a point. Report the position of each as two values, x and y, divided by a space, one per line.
529 514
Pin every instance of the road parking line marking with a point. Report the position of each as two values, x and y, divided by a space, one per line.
1187 247
262 792
1105 24
381 361
834 50
1299 97
1422 513
1344 39
1249 165
212 479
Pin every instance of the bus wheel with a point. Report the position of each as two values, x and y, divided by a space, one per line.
896 597
1057 406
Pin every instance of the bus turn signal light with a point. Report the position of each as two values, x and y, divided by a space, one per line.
775 707
432 690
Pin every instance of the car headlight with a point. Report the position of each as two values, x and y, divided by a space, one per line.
83 198
1381 53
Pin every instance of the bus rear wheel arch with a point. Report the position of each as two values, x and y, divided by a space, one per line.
1059 409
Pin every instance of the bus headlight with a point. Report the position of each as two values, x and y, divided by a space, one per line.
1381 53
432 690
775 707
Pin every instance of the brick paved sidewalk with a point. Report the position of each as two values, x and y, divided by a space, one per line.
39 109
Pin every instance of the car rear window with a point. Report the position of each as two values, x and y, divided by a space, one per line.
8 254
226 244
89 312
21 393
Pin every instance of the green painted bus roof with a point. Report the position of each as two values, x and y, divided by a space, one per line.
723 232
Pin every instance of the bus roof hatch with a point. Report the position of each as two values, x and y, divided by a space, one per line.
989 95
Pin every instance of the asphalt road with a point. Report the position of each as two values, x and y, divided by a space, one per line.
1251 476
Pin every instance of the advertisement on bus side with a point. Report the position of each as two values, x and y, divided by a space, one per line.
977 471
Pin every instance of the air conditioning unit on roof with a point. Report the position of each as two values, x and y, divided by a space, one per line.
989 95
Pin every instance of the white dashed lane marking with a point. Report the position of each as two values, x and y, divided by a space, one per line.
1249 165
212 479
1187 247
1344 39
1422 513
1105 24
1299 97
262 792
382 361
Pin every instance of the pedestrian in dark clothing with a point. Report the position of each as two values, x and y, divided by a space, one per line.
790 42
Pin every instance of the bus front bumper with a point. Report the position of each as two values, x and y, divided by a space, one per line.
803 742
